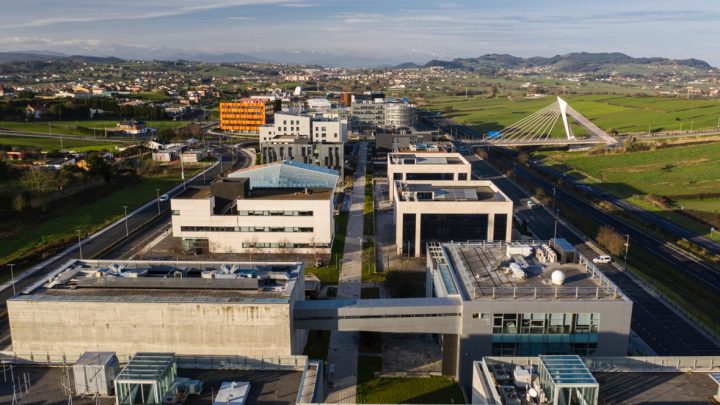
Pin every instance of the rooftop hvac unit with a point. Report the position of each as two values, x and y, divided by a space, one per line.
517 272
95 372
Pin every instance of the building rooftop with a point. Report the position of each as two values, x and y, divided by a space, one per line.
497 270
266 386
620 380
194 193
167 281
430 192
289 174
427 158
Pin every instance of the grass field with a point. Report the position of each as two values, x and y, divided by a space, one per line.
87 218
50 144
676 171
329 273
417 390
82 128
623 114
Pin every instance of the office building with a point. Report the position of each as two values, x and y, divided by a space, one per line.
442 211
520 300
189 308
383 114
426 166
307 139
284 207
247 115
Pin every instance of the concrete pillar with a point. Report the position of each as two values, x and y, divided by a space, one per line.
399 234
450 355
417 235
491 227
508 226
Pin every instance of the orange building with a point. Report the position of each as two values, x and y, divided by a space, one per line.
246 115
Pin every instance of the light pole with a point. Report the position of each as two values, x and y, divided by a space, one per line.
12 276
182 171
79 243
553 203
157 192
557 214
627 246
127 230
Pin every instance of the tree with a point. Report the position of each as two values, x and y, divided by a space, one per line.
36 178
481 153
611 240
523 158
98 166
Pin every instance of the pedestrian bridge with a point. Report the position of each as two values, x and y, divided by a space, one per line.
396 315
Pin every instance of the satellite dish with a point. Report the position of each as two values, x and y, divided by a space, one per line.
532 392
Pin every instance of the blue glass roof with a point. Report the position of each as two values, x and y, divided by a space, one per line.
289 174
567 370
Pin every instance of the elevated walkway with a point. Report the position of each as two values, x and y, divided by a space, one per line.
397 315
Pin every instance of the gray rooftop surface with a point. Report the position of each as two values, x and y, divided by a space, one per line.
267 387
454 193
626 388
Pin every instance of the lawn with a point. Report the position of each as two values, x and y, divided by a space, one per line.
83 128
88 218
677 172
329 273
369 263
50 144
625 114
416 390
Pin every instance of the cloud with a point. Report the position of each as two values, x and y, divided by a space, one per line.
239 18
300 5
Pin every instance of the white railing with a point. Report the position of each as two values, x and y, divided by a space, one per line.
544 293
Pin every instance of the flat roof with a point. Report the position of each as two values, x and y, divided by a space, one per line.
266 386
483 271
428 158
167 281
430 192
195 193
633 388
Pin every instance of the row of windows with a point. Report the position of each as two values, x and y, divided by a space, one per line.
546 324
244 229
269 245
534 349
276 213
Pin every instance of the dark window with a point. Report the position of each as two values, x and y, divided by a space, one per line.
462 176
500 226
430 176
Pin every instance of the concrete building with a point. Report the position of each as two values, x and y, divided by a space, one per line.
283 207
306 139
390 142
247 115
193 156
189 308
426 166
517 304
442 211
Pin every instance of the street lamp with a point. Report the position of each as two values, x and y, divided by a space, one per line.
127 230
157 192
553 203
79 242
627 246
12 276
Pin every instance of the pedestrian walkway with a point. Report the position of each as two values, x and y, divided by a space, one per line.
343 347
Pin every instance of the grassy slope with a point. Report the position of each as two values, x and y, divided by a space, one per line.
70 127
49 144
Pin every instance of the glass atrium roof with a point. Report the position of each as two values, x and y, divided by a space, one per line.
289 174
146 367
567 370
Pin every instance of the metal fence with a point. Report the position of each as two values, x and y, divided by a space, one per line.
636 364
544 293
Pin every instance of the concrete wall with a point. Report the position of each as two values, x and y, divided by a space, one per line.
404 169
58 327
197 212
476 338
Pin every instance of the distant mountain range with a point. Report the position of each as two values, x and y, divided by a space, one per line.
572 62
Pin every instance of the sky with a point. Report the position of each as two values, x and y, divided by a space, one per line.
392 30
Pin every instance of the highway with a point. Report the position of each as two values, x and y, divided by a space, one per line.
113 241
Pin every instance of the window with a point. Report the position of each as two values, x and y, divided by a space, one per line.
176 212
462 176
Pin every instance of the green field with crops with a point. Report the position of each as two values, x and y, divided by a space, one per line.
50 144
631 114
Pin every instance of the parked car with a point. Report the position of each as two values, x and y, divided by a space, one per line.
164 198
602 259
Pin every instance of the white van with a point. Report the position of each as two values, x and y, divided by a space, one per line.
602 259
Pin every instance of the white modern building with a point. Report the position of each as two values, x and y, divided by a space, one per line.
435 166
284 207
380 113
307 139
443 211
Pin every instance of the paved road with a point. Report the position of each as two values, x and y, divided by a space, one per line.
109 242
343 347
661 328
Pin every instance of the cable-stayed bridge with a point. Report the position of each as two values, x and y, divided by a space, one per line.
536 129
